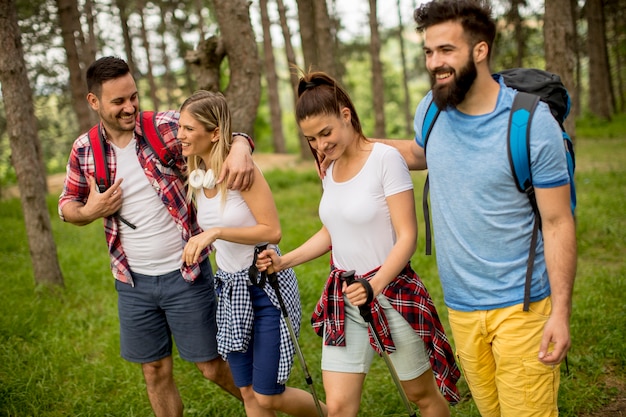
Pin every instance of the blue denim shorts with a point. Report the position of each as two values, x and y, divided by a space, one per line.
159 307
258 366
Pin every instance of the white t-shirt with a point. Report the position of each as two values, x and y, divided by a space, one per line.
356 214
155 247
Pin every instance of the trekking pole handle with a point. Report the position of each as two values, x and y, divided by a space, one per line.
364 309
253 271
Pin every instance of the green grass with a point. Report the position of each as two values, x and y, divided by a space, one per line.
59 350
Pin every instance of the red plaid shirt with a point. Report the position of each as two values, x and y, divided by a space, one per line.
164 180
408 295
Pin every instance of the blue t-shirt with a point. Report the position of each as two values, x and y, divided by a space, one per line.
482 224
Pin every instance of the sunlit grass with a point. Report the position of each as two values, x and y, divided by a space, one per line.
59 351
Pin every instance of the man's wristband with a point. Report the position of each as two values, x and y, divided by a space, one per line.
245 135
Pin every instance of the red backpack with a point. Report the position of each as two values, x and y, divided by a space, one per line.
147 122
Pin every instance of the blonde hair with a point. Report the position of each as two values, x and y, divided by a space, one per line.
211 110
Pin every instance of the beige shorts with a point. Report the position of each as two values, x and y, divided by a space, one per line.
410 359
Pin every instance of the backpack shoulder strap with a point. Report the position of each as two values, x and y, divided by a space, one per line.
432 113
147 122
518 146
96 140
518 143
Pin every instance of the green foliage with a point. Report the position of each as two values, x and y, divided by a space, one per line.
592 127
59 352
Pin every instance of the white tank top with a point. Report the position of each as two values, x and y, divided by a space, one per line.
155 247
230 257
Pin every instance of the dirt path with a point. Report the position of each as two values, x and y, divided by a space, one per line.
265 161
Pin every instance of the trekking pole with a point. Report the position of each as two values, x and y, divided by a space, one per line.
366 312
272 279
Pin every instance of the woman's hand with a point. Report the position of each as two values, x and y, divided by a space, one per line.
196 244
268 260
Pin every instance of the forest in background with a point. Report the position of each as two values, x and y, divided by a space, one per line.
247 49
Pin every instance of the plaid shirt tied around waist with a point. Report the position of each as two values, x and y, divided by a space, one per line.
235 315
409 297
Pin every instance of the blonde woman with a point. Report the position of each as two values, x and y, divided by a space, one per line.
252 335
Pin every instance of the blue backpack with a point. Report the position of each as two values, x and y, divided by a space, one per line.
532 85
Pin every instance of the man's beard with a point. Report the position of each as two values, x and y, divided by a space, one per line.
453 93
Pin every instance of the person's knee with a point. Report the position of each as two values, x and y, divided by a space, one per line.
214 370
157 371
424 393
269 402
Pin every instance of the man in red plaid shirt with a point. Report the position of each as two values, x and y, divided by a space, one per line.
147 221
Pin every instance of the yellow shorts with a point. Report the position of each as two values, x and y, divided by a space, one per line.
497 351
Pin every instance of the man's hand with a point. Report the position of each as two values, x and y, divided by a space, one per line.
98 204
555 341
238 168
102 204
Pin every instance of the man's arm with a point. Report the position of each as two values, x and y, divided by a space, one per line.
97 205
412 153
559 236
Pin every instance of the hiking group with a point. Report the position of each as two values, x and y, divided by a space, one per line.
173 186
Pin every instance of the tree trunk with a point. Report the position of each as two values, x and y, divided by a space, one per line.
276 114
518 25
146 47
68 10
306 18
324 38
91 45
244 89
205 62
575 95
305 152
600 99
378 84
560 47
128 41
169 82
22 130
408 115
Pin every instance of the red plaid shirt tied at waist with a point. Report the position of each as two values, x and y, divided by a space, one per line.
408 296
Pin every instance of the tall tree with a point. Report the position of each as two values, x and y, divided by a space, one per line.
616 38
318 43
406 108
305 152
600 91
141 4
560 46
324 38
306 20
514 17
22 129
378 84
169 82
276 114
244 89
72 35
122 7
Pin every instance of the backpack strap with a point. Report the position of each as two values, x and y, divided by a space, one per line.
96 140
432 113
101 169
147 122
518 146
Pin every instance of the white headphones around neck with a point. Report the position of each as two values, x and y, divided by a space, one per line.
200 178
